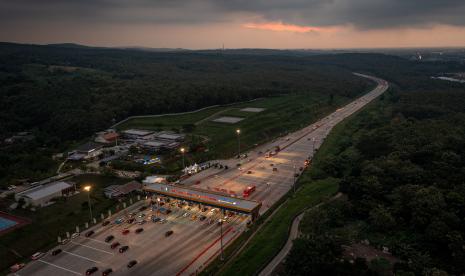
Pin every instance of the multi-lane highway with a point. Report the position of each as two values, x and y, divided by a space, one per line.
195 242
274 176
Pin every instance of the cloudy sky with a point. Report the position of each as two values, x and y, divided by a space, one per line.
236 23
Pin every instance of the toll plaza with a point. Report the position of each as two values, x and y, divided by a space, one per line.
205 197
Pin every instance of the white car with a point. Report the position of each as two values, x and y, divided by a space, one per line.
75 235
65 241
37 255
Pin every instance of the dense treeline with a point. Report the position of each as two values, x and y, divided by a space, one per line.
402 166
64 93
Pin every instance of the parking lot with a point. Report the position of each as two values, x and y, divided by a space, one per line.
185 250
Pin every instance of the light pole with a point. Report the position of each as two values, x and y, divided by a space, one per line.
182 152
221 239
294 178
238 131
87 189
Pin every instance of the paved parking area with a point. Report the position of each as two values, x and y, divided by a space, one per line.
190 245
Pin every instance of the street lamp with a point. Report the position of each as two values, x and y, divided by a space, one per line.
87 189
182 151
238 131
221 239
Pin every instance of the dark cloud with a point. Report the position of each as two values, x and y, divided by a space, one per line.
364 14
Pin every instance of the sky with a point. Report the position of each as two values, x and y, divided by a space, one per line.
207 24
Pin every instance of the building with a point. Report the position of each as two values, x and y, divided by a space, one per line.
107 137
171 137
115 191
43 194
135 134
204 197
153 145
86 151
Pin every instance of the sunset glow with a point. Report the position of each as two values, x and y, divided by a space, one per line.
282 27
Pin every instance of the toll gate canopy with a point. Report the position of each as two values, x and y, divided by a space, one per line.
206 197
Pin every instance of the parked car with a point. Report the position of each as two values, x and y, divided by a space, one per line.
107 272
109 238
114 245
132 263
56 252
125 232
89 233
131 220
139 230
119 221
91 270
140 222
75 235
105 223
123 249
65 241
169 233
37 255
202 218
156 219
16 267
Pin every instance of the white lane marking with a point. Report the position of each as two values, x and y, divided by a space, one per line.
79 256
57 266
108 252
96 240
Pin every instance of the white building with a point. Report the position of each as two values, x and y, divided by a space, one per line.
41 195
136 133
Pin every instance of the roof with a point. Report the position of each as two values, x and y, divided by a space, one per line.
170 136
88 147
123 189
110 136
154 144
137 132
204 196
46 190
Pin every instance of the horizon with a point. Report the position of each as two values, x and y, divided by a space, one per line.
205 24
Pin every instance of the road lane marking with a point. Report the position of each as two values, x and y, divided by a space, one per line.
96 240
57 266
104 251
82 257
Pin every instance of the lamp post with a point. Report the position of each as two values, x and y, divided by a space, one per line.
87 189
238 131
293 186
182 152
221 239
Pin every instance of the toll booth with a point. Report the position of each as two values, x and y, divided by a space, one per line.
205 197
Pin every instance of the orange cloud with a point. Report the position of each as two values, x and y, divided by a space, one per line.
282 27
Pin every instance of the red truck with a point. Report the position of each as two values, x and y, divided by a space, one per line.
248 191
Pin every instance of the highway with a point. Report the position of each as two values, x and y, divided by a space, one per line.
193 242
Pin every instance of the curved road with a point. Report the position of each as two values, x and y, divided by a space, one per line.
294 231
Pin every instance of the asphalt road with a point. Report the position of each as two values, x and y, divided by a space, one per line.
194 243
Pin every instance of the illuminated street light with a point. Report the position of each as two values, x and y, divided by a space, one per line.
87 189
182 151
238 131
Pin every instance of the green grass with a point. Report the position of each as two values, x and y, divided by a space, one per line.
50 222
282 114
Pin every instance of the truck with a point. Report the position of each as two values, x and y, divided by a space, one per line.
248 191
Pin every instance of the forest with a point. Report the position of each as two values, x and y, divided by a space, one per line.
62 94
401 167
